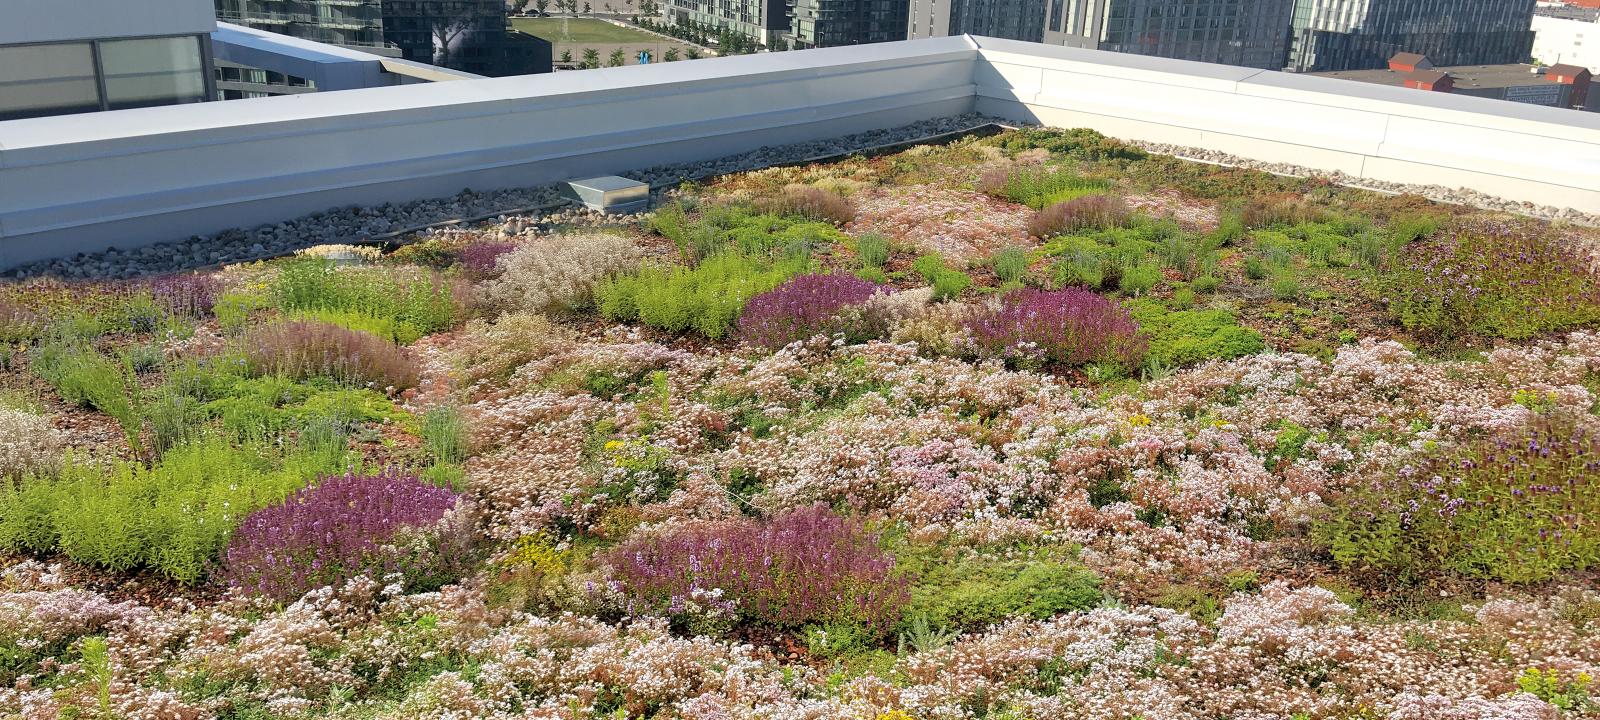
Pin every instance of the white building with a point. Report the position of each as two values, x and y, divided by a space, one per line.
1570 40
103 55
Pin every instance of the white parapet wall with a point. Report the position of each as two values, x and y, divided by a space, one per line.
127 178
1542 155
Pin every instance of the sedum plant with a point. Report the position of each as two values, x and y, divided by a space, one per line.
1517 508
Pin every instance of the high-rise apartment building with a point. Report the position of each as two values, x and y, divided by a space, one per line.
784 24
1010 19
767 21
1251 33
831 23
1331 35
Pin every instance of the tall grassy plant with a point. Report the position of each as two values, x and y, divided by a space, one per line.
309 349
805 566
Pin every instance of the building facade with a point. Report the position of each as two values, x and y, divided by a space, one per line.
1567 37
1250 33
796 24
350 23
1332 35
768 21
469 35
1010 19
102 56
831 23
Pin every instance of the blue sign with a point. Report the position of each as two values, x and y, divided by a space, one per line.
644 57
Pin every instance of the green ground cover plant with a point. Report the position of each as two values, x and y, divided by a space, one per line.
706 299
173 516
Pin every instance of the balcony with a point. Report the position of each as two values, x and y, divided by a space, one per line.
205 168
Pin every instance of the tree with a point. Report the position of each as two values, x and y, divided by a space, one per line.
671 55
586 9
617 59
692 53
519 6
591 58
542 6
450 27
566 56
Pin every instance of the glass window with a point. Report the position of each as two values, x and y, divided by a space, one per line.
39 80
156 71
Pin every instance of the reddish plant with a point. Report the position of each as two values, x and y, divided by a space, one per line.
1090 212
186 294
479 259
308 348
804 306
347 526
1063 327
807 565
1291 209
814 203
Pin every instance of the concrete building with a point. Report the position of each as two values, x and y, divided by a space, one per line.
1561 86
103 55
1567 35
1248 33
1333 35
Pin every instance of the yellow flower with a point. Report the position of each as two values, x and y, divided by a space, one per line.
894 715
1139 420
613 445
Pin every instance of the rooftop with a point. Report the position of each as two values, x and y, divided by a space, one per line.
1464 76
215 167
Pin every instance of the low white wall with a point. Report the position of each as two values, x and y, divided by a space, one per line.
128 178
1548 156
85 182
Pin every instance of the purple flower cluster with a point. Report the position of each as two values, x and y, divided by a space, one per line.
1514 508
1507 280
807 565
187 294
479 259
804 306
1063 327
346 526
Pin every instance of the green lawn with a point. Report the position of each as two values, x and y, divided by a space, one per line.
580 30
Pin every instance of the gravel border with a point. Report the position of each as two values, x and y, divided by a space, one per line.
367 225
1438 193
384 223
